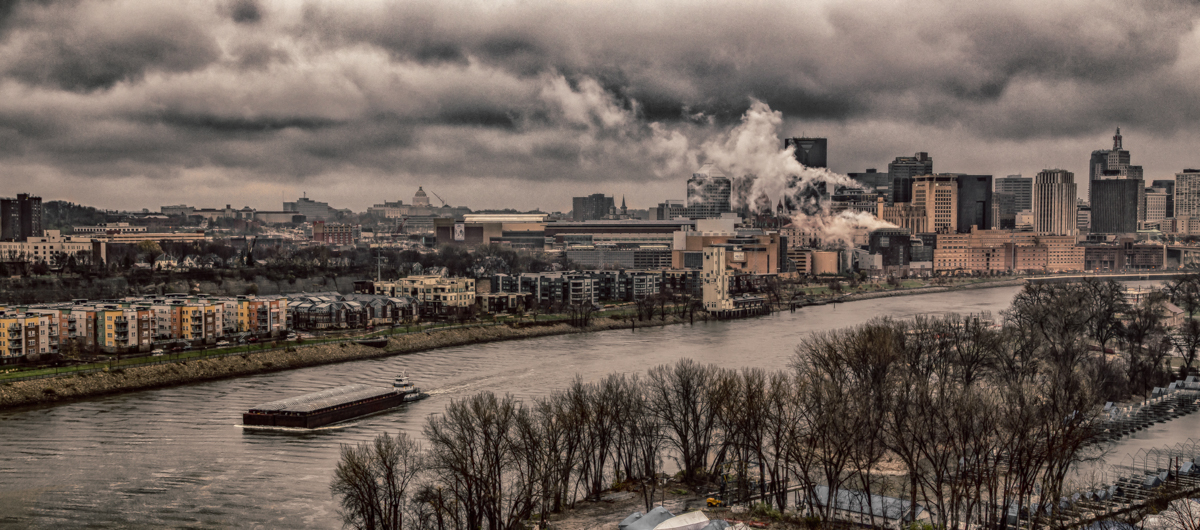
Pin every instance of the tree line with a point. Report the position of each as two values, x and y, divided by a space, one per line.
965 416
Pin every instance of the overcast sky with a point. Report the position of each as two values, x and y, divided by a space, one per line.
142 103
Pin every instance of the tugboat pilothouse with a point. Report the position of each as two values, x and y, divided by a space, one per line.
405 387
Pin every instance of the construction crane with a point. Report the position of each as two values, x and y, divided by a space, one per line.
439 197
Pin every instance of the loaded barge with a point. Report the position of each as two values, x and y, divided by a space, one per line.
331 406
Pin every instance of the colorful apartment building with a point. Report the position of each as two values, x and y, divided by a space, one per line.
123 328
262 316
27 333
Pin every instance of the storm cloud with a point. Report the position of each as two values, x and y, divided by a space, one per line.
242 100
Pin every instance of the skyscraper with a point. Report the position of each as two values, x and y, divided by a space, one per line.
709 193
937 195
974 202
810 152
1021 189
1111 163
1153 206
903 169
1054 202
1115 205
1169 187
20 218
594 206
1187 193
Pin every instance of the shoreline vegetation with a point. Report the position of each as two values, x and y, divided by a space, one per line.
131 379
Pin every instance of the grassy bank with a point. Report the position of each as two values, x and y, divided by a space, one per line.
126 379
155 372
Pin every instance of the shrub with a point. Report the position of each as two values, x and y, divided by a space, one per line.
763 510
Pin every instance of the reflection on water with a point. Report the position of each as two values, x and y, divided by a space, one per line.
178 456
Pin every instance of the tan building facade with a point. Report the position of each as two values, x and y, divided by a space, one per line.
938 196
1006 251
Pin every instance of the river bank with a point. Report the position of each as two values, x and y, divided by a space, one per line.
70 387
933 289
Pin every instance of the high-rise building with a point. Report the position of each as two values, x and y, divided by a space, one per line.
709 193
1004 210
874 182
1154 205
593 207
1169 187
1103 160
974 202
1083 217
810 152
902 171
1115 205
938 196
1187 193
20 218
1054 202
1021 189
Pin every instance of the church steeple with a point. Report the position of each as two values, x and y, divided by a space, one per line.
623 209
1117 140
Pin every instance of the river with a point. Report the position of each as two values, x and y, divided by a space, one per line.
177 456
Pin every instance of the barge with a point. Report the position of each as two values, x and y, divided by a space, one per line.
331 406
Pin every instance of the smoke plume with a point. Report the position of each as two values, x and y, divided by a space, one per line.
753 153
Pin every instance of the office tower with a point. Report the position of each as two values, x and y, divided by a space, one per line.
903 169
874 182
1111 164
1169 187
1115 205
1021 189
1054 202
592 207
1187 193
1154 205
20 218
1083 217
974 202
709 193
810 152
1004 210
937 195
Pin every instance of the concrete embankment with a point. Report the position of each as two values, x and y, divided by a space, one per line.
25 393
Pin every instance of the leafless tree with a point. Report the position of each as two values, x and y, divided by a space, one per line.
681 398
372 479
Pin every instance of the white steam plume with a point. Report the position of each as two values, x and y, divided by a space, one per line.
754 148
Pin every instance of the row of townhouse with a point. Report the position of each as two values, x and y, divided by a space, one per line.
331 310
595 286
134 324
441 296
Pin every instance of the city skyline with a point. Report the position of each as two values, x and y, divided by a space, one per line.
354 105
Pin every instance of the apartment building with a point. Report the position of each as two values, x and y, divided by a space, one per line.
121 329
434 295
262 315
26 333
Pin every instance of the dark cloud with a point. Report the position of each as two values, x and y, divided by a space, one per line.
552 92
245 11
84 49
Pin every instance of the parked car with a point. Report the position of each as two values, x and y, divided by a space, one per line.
158 352
222 344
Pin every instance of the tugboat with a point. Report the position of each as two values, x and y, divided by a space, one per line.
405 388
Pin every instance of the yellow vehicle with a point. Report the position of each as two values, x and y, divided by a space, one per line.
714 503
